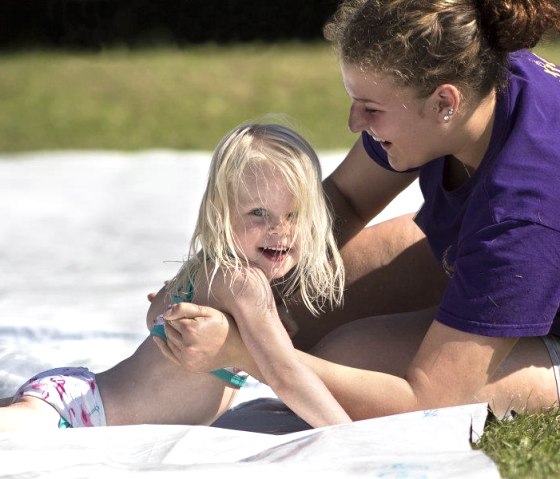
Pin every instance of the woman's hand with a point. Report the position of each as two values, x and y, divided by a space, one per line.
201 338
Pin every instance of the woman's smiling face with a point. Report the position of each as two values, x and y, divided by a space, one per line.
263 221
403 124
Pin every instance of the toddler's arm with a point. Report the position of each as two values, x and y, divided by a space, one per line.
248 297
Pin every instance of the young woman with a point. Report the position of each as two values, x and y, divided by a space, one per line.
447 92
263 220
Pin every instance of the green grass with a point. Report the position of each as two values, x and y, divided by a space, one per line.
528 447
167 98
171 98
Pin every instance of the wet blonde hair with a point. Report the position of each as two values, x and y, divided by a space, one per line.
426 43
319 273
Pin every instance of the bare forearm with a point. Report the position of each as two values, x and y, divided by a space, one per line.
305 394
297 385
367 394
364 394
301 390
347 223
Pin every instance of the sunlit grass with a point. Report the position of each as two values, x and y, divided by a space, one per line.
167 98
171 98
528 447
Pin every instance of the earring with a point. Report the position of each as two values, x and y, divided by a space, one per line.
449 114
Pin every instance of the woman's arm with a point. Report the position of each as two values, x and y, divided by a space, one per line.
389 266
450 367
359 189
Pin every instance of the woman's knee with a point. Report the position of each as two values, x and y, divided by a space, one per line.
380 343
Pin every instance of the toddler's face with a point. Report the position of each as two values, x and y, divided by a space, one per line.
263 222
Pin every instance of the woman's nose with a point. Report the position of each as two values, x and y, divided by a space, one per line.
355 120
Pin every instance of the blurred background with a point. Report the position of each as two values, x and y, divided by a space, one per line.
172 74
95 24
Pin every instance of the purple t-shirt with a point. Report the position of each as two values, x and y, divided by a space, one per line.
498 235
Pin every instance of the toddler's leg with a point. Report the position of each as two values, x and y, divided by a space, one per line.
29 413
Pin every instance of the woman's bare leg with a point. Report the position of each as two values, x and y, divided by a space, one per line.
524 382
390 269
384 343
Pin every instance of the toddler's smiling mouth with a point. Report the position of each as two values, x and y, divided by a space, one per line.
276 253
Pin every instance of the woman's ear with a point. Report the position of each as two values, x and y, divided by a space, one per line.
446 99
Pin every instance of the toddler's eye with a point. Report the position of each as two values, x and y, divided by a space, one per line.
260 212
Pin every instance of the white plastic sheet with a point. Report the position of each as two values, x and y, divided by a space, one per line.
426 444
85 236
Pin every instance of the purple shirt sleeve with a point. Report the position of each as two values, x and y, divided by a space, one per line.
505 281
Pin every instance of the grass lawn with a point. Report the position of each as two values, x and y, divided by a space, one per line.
167 98
527 447
170 98
187 99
